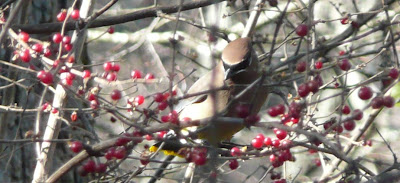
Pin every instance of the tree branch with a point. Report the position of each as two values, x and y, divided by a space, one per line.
118 19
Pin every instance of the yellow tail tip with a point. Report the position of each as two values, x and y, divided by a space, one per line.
166 152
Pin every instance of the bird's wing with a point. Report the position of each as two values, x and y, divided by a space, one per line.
202 106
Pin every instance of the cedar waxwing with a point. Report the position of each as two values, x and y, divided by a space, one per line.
238 69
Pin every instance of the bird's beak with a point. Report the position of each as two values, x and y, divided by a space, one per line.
228 74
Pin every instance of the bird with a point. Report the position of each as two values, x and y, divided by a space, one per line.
239 67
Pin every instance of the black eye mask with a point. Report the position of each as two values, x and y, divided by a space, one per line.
231 70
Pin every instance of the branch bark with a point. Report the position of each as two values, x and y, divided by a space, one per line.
119 19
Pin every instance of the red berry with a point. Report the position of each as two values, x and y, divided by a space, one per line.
76 146
161 134
47 52
327 125
276 110
57 38
295 110
275 176
342 52
110 153
339 129
267 141
368 143
45 77
388 101
317 162
144 160
38 48
349 125
80 92
148 137
233 164
165 118
301 66
86 74
66 82
344 64
123 140
346 109
394 73
235 151
276 142
272 158
89 166
54 111
149 76
120 153
62 15
277 164
23 36
318 79
365 93
91 97
166 95
101 168
358 114
162 105
116 94
313 86
74 116
25 56
318 65
303 90
173 117
302 30
242 110
68 47
344 20
312 151
71 59
377 102
260 136
257 143
136 74
66 39
286 143
186 121
107 66
158 97
45 106
110 30
386 82
115 67
280 134
139 100
111 76
336 85
94 104
75 14
112 119
198 159
69 75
